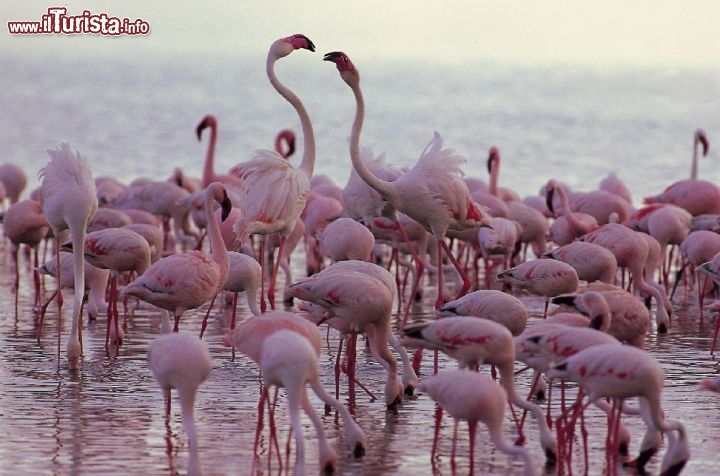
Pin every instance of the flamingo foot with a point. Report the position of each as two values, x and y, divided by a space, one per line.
642 459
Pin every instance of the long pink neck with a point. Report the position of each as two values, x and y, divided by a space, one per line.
694 168
209 168
569 215
370 178
308 161
218 252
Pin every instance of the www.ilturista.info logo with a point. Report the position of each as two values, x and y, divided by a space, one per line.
58 22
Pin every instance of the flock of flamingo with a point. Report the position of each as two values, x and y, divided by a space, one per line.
603 268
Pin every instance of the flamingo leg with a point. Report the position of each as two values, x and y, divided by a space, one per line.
436 433
207 315
273 276
263 304
440 300
466 281
454 445
232 320
472 429
419 269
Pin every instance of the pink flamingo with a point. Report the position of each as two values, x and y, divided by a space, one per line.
489 304
473 397
697 248
632 251
69 201
163 199
209 174
361 294
24 223
630 320
287 349
601 204
318 213
493 166
473 341
533 224
108 218
668 224
96 281
345 239
14 180
544 277
273 192
182 362
489 195
120 250
152 234
591 262
568 225
433 192
694 195
699 139
547 342
499 240
621 372
613 184
188 280
711 268
243 276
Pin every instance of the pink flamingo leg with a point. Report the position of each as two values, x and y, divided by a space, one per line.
436 433
472 429
263 304
465 279
273 277
207 315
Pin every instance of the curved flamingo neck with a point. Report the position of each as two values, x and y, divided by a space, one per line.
363 171
218 251
308 161
566 212
209 168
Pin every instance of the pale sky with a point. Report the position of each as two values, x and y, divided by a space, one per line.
646 32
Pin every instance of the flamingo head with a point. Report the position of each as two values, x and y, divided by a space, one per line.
225 205
287 137
207 121
285 46
549 194
493 158
701 137
344 65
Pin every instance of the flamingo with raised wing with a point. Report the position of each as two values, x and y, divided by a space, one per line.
432 192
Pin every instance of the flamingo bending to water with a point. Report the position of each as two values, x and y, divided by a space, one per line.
473 397
182 362
287 349
621 372
69 201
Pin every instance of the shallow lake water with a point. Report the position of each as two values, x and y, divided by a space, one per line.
108 418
